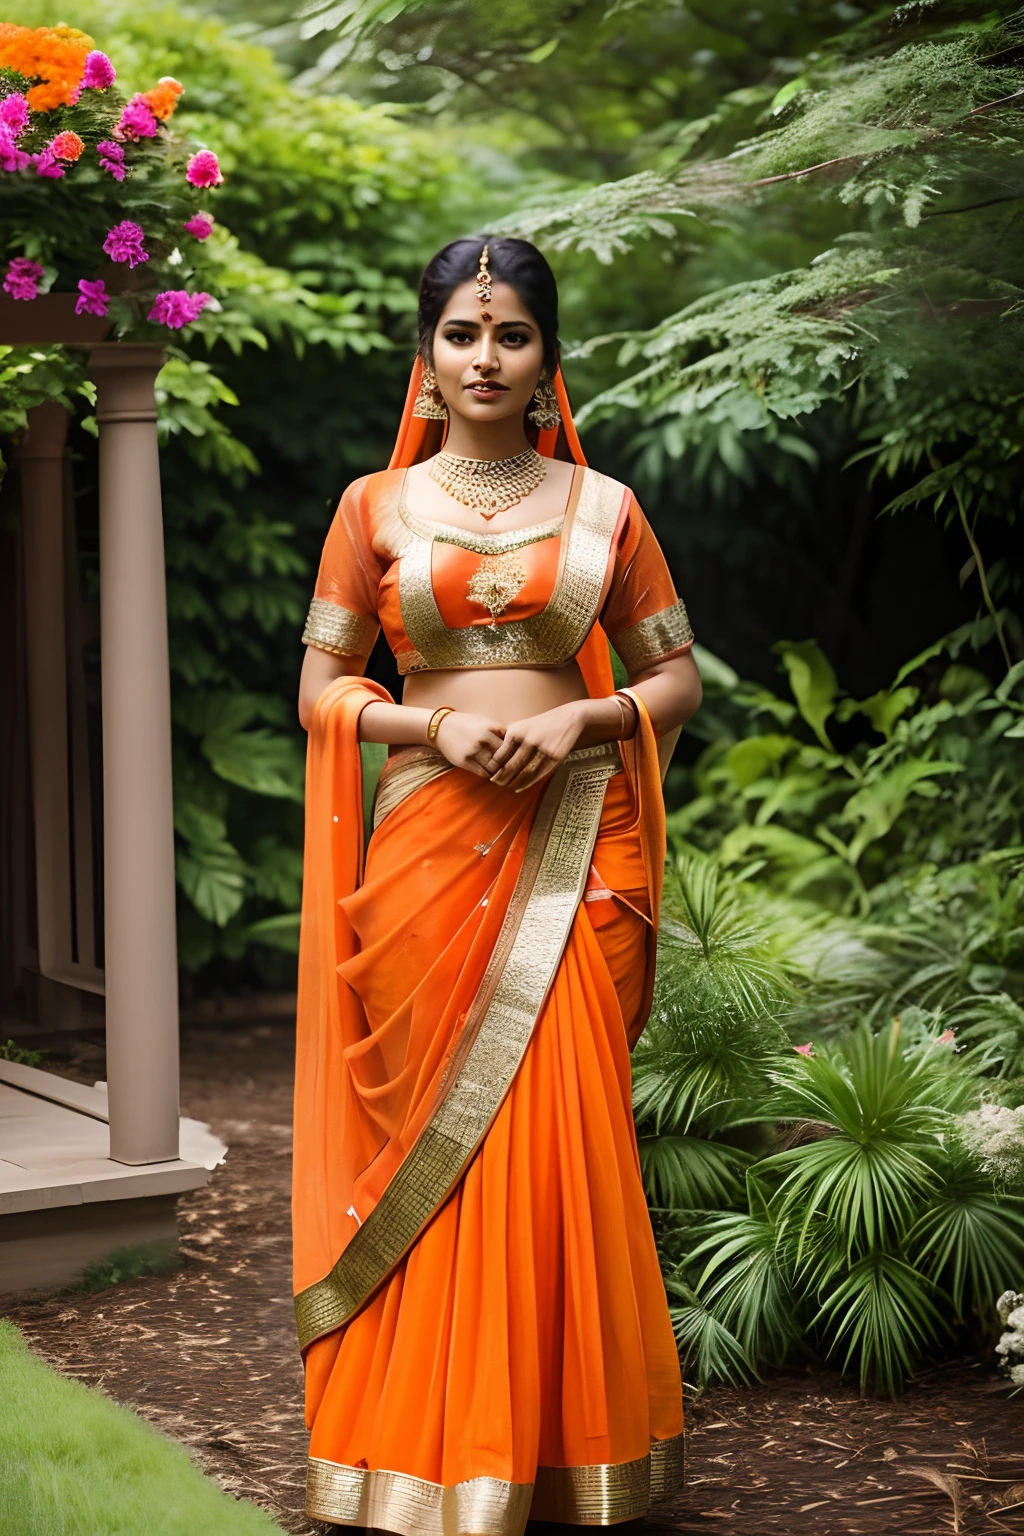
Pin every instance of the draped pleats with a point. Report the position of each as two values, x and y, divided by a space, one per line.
527 1327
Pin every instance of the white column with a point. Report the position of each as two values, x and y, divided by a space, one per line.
140 940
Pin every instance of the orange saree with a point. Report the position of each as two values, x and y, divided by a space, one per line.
479 1303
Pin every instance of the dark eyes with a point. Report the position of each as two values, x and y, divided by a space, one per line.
466 338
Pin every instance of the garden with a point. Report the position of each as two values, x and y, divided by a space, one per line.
789 246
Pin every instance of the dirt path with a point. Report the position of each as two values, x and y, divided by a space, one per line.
208 1354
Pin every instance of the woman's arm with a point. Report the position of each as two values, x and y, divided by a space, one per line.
468 741
533 748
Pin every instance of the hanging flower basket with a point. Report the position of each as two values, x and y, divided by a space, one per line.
102 204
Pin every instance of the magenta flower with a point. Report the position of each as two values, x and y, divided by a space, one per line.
203 170
23 278
47 164
11 157
111 158
14 113
124 243
93 298
804 1050
137 120
177 307
199 225
99 72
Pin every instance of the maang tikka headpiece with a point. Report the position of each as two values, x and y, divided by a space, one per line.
483 284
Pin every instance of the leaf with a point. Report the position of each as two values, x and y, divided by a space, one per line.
280 931
813 682
260 760
879 804
213 878
538 55
883 709
785 93
752 758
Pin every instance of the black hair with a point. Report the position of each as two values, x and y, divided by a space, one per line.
511 261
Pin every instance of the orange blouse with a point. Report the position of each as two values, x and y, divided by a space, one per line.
450 598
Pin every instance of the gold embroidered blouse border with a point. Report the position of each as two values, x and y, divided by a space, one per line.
549 638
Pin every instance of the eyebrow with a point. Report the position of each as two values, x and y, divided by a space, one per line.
520 324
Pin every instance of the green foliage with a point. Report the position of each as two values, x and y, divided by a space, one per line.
863 875
860 829
128 1263
327 210
28 1058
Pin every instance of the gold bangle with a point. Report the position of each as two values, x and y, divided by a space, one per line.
434 722
622 695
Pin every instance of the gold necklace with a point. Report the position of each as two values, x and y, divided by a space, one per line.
489 486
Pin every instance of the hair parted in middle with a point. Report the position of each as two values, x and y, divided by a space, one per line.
511 261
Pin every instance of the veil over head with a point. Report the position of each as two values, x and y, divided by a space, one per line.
419 439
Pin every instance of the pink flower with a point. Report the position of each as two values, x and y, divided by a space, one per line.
200 225
177 307
947 1037
93 298
14 113
124 243
99 72
804 1050
11 157
111 158
203 170
137 120
23 278
47 164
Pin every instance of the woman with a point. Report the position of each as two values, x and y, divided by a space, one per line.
484 1326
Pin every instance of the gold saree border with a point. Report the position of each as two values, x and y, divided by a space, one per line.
403 774
529 946
411 1506
641 645
332 627
548 638
603 1494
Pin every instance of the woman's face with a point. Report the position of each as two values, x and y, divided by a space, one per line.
487 370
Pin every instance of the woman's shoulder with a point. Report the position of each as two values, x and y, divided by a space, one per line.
379 484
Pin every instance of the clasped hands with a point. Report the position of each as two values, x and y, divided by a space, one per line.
515 756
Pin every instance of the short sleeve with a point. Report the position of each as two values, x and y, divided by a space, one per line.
343 614
643 617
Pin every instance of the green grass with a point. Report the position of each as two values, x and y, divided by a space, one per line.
128 1264
72 1463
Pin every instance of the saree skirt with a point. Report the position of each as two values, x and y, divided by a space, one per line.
518 1359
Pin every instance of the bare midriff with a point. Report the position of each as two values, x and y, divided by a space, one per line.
503 694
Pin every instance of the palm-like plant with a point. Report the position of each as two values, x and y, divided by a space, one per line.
701 1063
871 1231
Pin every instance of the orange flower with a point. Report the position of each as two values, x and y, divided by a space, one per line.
53 55
66 146
163 98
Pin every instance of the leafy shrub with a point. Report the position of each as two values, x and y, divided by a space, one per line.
859 1198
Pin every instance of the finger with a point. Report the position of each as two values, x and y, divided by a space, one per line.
538 776
515 764
475 768
506 747
530 769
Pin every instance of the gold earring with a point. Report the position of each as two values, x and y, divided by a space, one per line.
427 405
544 412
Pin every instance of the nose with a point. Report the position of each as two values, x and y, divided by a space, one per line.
486 359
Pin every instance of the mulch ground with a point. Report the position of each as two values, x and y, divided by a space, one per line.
208 1355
